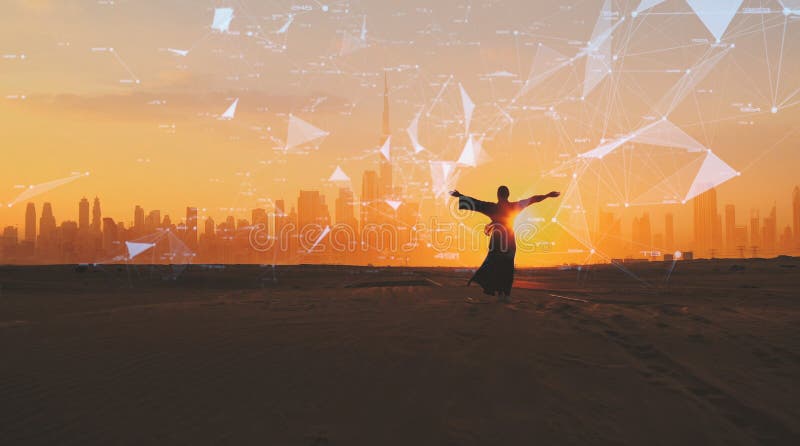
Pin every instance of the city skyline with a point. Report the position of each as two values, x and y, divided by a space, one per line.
99 238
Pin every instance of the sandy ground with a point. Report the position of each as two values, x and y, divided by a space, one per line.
342 355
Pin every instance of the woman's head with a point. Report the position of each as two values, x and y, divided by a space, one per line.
502 193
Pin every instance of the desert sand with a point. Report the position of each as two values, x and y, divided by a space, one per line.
312 355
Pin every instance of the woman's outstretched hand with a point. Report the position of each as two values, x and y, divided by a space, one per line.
455 193
553 194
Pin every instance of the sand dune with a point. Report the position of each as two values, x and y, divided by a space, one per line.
344 355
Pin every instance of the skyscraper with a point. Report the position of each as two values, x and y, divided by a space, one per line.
705 223
30 223
755 229
369 198
311 209
8 242
83 214
730 228
138 219
210 229
153 220
47 232
47 222
109 235
769 238
97 217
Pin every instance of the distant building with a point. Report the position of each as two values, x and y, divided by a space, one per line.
83 214
369 198
786 241
730 228
69 241
8 243
153 221
210 230
47 242
138 220
706 224
166 223
311 209
260 218
30 223
97 216
755 231
769 237
110 238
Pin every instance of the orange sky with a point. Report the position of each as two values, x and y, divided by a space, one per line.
158 143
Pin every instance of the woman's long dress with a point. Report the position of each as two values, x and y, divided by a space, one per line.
496 274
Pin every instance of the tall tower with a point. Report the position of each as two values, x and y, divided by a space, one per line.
386 132
705 223
83 214
30 223
47 231
755 228
138 218
97 220
369 198
769 235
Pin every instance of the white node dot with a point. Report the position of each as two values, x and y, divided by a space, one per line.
774 110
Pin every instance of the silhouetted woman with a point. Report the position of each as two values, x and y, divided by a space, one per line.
496 274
